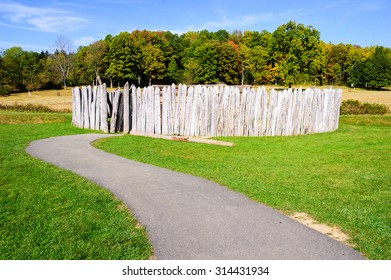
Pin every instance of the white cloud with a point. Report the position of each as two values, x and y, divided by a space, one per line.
84 41
40 19
245 21
6 44
228 23
237 22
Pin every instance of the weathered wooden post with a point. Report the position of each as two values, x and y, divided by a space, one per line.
126 109
103 106
134 110
115 111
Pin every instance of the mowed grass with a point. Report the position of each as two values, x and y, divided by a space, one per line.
341 178
11 117
49 213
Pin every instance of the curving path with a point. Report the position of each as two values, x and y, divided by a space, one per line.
188 217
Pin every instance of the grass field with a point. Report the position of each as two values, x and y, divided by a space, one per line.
341 178
49 213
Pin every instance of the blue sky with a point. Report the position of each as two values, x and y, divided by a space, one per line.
35 25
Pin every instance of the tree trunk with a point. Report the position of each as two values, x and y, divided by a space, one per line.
242 76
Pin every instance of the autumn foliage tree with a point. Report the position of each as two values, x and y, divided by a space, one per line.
291 54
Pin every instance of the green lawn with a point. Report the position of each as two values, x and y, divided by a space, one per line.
49 213
341 178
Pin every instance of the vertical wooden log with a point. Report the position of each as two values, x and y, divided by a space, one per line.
86 119
295 112
144 98
206 111
104 112
92 107
89 105
158 115
196 111
97 108
257 112
126 103
183 110
152 109
231 111
147 109
75 106
133 108
169 111
237 112
242 112
210 114
114 115
178 98
189 107
250 112
224 110
273 112
263 114
165 112
216 108
139 110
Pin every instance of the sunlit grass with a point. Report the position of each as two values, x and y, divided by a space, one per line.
341 178
49 213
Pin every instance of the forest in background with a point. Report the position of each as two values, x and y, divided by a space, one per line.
293 54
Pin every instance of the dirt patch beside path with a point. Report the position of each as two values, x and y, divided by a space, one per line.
332 231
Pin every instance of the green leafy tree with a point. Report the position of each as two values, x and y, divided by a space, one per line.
220 35
192 70
258 65
206 57
123 58
173 72
33 65
5 87
294 47
13 67
228 63
153 63
245 63
92 61
373 72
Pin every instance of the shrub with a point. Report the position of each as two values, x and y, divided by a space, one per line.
355 107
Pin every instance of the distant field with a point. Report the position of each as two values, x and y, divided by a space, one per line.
383 97
59 99
62 99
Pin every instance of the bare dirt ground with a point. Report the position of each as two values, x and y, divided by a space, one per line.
62 99
332 231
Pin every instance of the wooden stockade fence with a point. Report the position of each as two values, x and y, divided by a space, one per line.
206 110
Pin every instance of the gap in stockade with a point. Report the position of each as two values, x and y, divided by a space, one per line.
206 111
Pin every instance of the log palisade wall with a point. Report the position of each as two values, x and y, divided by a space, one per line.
206 110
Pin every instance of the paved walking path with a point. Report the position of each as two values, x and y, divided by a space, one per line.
188 217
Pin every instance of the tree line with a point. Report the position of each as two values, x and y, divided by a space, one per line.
292 54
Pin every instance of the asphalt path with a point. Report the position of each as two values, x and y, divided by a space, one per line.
188 217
